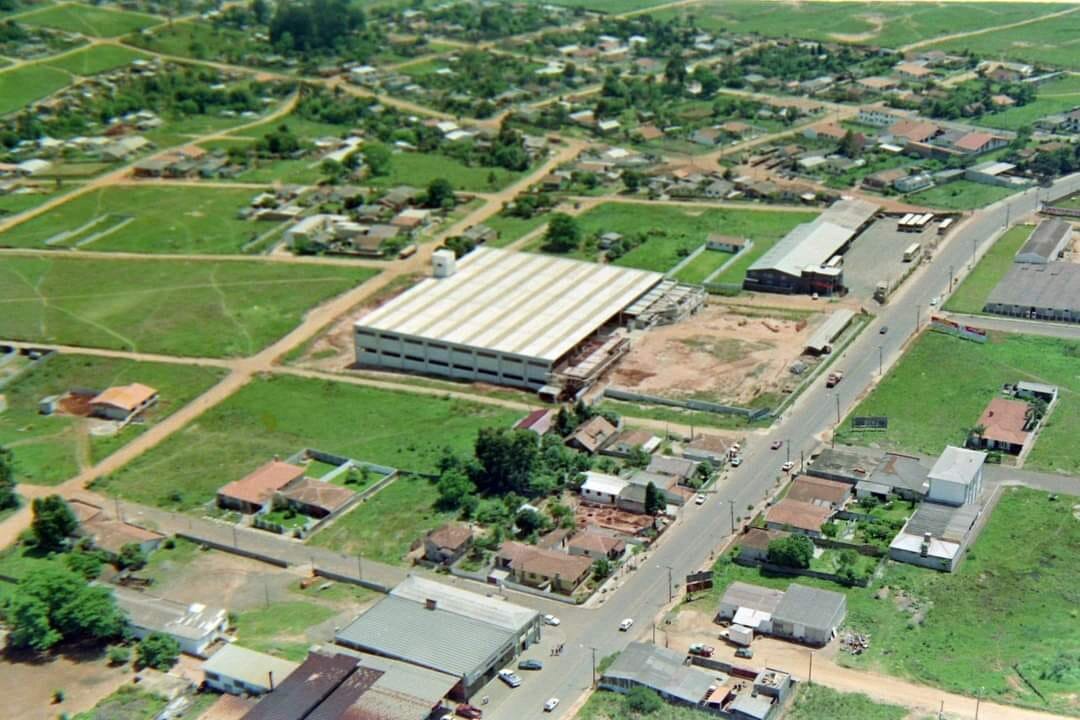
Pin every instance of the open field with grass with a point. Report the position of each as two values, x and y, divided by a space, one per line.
98 59
127 703
873 23
419 169
813 702
11 204
1011 603
1055 41
1056 96
971 296
284 414
513 228
385 526
959 195
145 219
702 266
938 390
605 705
23 85
677 415
89 20
279 628
194 308
51 449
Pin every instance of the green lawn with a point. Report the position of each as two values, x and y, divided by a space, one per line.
11 204
1056 96
959 195
1055 41
127 703
604 705
280 415
873 23
94 60
88 20
172 307
513 228
23 85
48 449
385 526
938 390
702 266
280 628
1012 602
145 219
419 169
971 296
814 702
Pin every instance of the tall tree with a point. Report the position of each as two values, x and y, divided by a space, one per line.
53 522
794 551
507 459
563 234
8 498
654 501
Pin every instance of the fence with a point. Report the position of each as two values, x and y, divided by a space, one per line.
701 405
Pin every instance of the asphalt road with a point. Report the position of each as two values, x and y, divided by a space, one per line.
689 543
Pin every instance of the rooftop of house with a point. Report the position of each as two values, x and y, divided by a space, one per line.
754 597
543 563
797 514
818 491
1004 420
323 495
260 485
451 536
593 433
958 465
126 397
596 542
814 608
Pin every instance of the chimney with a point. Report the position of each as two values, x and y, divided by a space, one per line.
431 604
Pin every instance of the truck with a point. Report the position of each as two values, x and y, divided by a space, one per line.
740 635
834 378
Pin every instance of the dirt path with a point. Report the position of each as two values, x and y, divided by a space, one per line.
287 258
983 31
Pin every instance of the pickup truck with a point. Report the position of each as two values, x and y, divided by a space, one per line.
702 650
834 378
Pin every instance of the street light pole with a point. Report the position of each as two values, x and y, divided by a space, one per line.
950 277
810 676
837 409
880 353
670 593
731 504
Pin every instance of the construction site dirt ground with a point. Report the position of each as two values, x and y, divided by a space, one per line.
720 355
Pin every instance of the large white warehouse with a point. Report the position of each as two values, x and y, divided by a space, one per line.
518 319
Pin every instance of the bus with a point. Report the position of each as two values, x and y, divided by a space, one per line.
912 252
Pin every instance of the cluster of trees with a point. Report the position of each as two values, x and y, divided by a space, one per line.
973 98
793 551
530 204
55 604
563 234
8 498
315 26
807 61
477 78
494 20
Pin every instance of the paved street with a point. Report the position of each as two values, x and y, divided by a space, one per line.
694 537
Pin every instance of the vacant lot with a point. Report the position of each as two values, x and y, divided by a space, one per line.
23 85
1009 605
145 219
813 702
281 629
127 703
959 195
604 705
280 415
419 169
1055 41
94 60
87 20
971 296
173 307
937 392
51 449
872 23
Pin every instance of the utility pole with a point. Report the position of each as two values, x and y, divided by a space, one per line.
810 676
234 536
670 593
360 567
731 505
974 246
918 317
802 460
950 277
593 667
978 701
880 353
838 409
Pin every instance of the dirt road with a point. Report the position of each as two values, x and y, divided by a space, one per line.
983 31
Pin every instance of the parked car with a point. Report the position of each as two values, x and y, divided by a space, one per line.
744 652
776 444
786 467
700 499
626 624
934 301
510 678
530 665
468 711
551 704
551 620
701 650
884 329
736 461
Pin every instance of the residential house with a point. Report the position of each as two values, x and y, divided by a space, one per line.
824 493
1005 426
447 544
1070 122
316 498
753 544
809 615
251 493
708 136
913 71
123 402
194 627
627 442
707 448
748 605
956 478
936 535
648 133
884 179
879 115
977 143
661 670
543 569
680 468
480 234
239 671
797 516
602 489
878 83
915 131
913 183
538 421
592 435
110 535
596 545
724 243
668 485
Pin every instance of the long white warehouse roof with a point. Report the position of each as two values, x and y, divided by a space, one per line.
812 244
523 304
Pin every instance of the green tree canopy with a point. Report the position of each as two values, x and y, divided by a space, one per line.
795 551
157 651
440 194
654 501
53 522
378 158
8 498
643 701
563 234
507 459
54 604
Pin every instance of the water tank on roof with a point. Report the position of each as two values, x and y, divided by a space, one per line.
443 263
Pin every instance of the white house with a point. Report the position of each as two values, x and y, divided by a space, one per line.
195 627
239 671
956 478
602 489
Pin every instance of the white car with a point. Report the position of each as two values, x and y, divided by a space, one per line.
510 678
736 461
551 704
551 620
626 624
786 467
700 499
934 301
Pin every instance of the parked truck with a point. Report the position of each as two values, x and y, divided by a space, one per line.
834 377
740 635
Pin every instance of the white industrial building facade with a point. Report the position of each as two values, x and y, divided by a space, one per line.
517 319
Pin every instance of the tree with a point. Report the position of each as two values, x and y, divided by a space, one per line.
638 457
261 10
675 70
601 568
454 487
119 655
55 604
28 619
53 522
565 422
87 564
378 158
563 234
440 194
850 145
506 459
794 551
528 521
643 701
631 180
654 501
131 557
8 498
158 651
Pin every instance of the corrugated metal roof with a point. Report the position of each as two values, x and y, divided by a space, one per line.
249 666
1054 286
755 597
809 606
493 611
661 669
958 465
1048 239
516 303
305 688
832 326
812 244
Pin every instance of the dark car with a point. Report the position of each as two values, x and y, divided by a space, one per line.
530 665
744 652
468 711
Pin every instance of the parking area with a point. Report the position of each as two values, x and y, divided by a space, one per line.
878 254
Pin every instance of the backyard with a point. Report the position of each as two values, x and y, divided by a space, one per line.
51 449
971 296
280 628
280 415
938 390
195 308
1008 608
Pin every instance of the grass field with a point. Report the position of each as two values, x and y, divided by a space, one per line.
1056 96
88 20
284 414
145 219
94 60
813 702
938 390
959 195
1010 603
279 628
11 204
674 231
127 703
164 306
971 296
604 705
51 449
513 228
1055 41
873 23
385 526
677 415
702 266
419 169
23 85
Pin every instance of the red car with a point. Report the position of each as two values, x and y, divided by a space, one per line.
468 711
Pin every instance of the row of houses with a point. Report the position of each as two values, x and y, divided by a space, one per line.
282 484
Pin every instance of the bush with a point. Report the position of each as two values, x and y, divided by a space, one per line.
119 655
643 701
794 551
157 651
